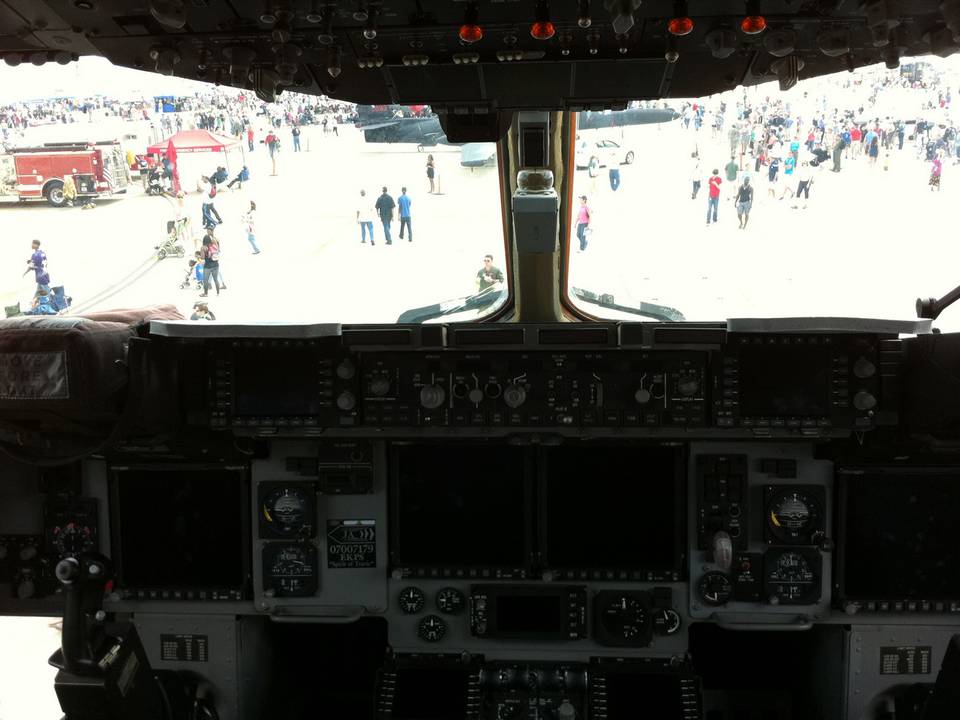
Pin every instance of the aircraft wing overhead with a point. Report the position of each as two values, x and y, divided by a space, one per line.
378 126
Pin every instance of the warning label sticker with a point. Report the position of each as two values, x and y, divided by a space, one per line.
33 376
351 544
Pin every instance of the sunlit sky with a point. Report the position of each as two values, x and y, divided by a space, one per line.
88 77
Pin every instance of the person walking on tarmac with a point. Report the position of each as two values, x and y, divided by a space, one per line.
211 218
273 145
583 222
295 132
713 195
38 263
210 254
403 205
744 202
385 206
365 218
249 223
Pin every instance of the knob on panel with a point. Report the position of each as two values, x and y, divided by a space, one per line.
642 396
346 400
688 385
346 369
432 396
514 396
863 368
379 386
864 401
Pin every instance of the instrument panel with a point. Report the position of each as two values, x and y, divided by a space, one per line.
557 521
568 379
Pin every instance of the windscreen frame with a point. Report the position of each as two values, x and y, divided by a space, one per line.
482 571
678 495
181 592
844 475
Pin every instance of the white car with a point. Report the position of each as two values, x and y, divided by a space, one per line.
601 153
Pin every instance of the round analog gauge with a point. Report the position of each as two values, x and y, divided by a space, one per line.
72 539
793 516
287 511
624 618
715 588
450 601
290 570
791 578
411 600
432 628
666 621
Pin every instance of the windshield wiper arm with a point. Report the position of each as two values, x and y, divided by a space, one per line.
478 301
663 313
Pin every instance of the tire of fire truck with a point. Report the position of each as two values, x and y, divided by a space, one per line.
53 192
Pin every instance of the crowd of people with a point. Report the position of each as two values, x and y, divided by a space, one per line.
786 145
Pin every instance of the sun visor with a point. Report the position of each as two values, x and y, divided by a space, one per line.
462 126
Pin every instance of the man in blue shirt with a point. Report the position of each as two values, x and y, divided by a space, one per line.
403 204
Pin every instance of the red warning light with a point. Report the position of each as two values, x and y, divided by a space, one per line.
753 24
471 33
680 26
542 30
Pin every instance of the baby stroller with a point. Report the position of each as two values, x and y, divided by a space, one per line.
194 276
171 246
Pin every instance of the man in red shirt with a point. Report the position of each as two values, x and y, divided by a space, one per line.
250 138
713 198
855 140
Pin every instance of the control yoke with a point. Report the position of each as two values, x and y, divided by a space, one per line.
84 580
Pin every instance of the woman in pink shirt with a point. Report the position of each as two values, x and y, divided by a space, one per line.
935 172
583 222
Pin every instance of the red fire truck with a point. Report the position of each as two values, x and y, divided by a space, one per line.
98 169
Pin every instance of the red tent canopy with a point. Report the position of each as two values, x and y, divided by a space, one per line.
194 141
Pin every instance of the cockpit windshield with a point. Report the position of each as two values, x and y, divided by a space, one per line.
121 188
833 198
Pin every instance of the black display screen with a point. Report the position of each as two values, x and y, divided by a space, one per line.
785 380
431 693
660 696
460 506
900 536
276 382
531 614
614 508
180 528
